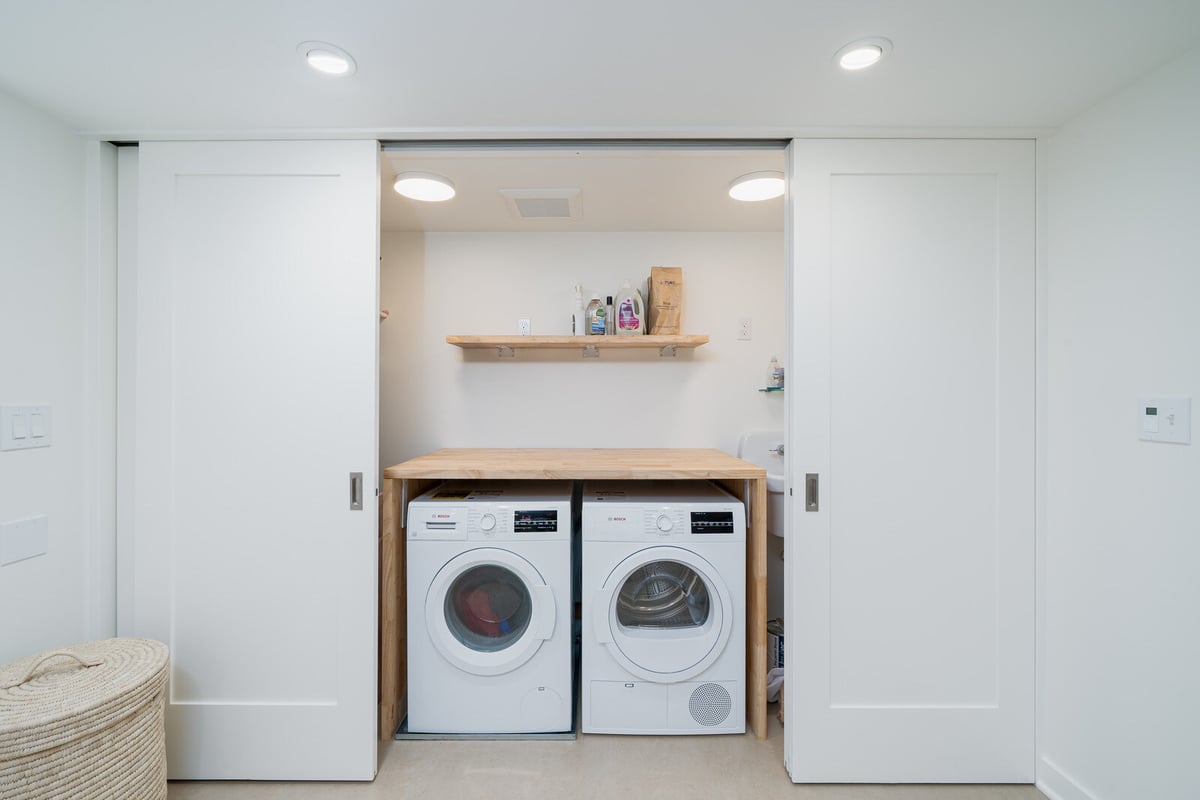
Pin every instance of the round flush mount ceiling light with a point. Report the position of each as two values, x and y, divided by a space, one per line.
863 53
427 186
327 59
757 186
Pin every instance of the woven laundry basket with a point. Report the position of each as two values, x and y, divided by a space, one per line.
85 722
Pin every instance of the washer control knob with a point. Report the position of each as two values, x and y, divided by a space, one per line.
664 523
488 522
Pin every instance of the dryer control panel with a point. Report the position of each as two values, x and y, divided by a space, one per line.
712 522
656 511
658 522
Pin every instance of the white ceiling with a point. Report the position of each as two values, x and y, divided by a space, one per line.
620 189
147 68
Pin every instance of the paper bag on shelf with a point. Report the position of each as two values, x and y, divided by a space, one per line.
665 301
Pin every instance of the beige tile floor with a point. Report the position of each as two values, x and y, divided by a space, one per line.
616 767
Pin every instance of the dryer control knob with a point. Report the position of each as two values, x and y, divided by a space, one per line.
664 523
487 522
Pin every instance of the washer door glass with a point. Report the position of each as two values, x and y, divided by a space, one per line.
488 611
488 608
663 594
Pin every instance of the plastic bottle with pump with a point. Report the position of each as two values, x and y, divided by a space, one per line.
579 317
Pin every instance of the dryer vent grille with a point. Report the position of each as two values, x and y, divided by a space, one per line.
710 704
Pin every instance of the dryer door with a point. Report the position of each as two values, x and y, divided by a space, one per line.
664 614
488 611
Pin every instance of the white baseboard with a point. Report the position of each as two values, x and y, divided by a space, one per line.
1058 785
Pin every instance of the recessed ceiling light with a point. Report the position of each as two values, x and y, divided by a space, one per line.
757 186
863 53
327 58
426 186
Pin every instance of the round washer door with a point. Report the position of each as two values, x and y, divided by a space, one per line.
664 614
488 611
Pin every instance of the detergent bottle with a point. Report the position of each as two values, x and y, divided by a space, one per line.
630 312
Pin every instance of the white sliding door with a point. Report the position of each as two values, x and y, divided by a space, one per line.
911 399
255 359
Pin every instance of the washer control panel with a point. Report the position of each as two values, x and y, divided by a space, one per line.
489 521
492 511
540 520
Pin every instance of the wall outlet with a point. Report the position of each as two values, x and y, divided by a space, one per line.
744 329
522 327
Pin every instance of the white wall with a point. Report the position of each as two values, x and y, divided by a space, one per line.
1120 701
43 600
436 395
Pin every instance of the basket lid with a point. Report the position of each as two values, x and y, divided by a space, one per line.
60 695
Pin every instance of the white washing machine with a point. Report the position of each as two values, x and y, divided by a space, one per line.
664 622
489 608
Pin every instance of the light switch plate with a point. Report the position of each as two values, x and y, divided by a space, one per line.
20 427
1165 419
24 539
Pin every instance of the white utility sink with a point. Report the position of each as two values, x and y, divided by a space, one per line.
765 449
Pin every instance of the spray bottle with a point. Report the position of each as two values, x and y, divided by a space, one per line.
578 318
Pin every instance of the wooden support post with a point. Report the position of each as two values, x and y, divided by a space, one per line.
390 585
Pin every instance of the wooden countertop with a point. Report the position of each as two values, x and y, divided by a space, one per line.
576 464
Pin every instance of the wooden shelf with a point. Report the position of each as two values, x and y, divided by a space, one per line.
591 345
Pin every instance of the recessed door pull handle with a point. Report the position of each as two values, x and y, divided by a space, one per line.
812 492
356 496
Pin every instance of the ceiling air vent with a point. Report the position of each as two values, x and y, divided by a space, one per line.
543 203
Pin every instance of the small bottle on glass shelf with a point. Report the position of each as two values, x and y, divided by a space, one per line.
774 374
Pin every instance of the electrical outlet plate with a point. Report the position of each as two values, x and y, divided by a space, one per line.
523 327
744 329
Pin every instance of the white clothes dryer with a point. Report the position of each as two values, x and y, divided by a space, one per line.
489 608
664 622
